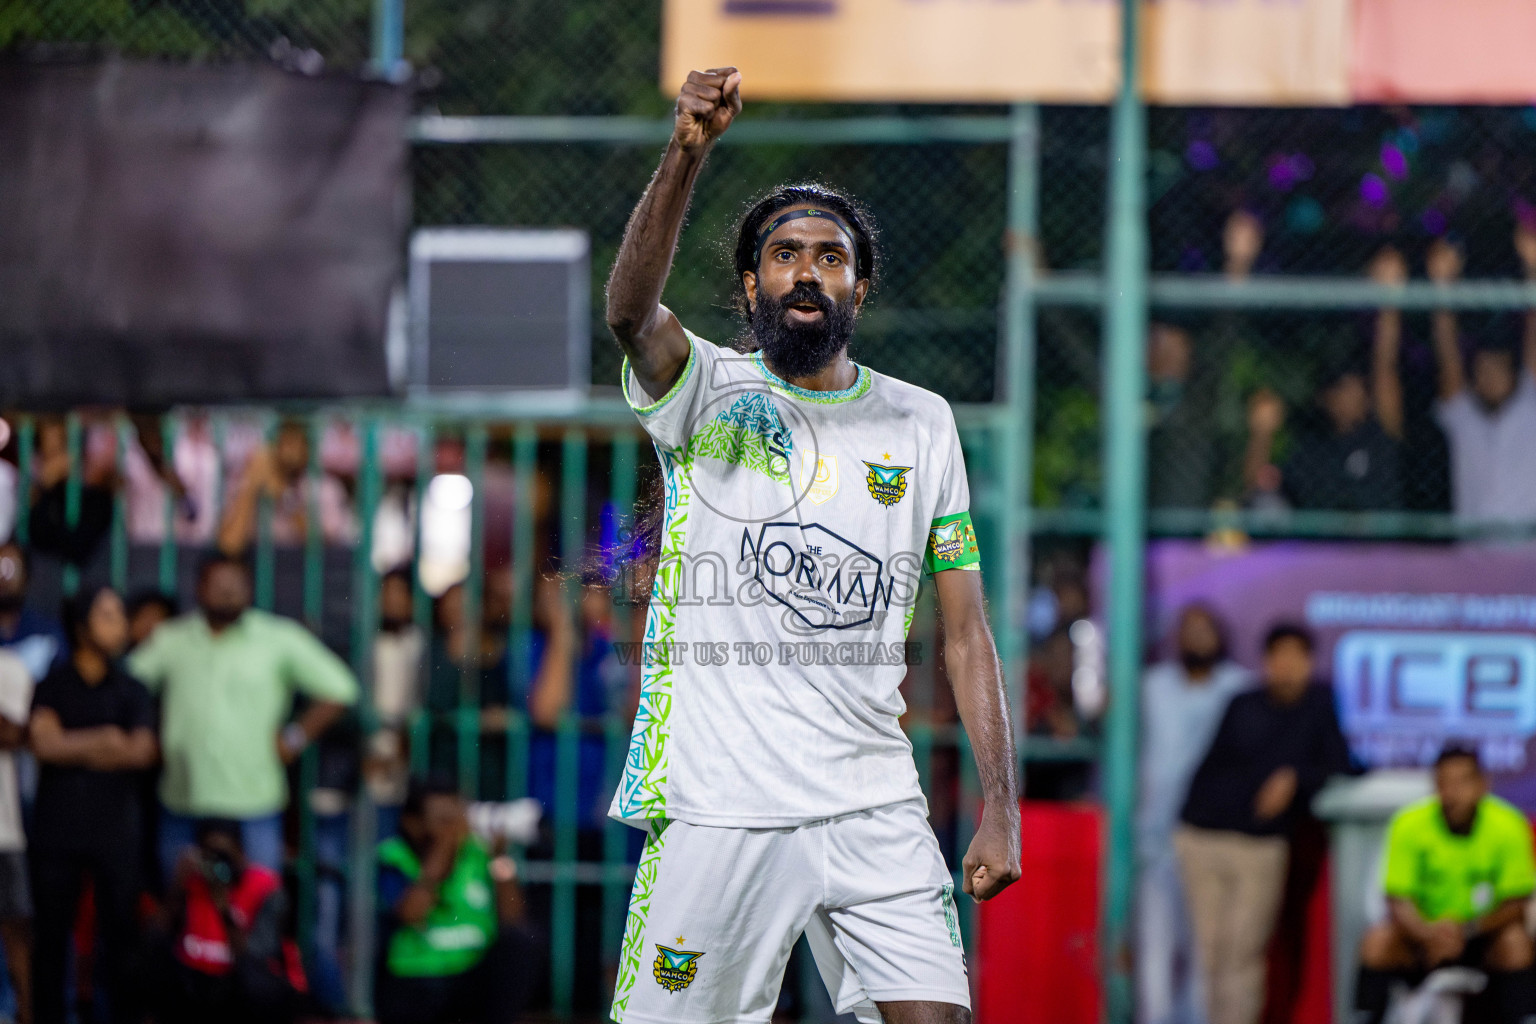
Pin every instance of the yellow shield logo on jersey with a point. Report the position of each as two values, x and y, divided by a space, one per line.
674 969
818 475
887 484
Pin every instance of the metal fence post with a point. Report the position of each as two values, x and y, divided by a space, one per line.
471 676
74 487
388 36
361 881
1017 467
562 928
1125 320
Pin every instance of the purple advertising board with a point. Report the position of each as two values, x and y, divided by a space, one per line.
1423 643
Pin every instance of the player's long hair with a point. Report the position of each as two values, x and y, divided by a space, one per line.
634 567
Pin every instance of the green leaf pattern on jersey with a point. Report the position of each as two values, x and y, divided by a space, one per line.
631 953
748 434
642 791
951 913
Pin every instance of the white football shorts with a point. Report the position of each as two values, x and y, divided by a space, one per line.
716 911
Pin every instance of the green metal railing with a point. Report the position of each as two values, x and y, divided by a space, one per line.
592 454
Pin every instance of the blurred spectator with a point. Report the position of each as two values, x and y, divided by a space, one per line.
479 652
1459 872
15 890
92 733
220 954
1186 449
226 675
1054 710
280 473
51 528
603 684
1181 452
1182 701
1051 711
188 479
453 949
36 639
338 771
1352 461
1274 748
146 611
8 483
398 658
1489 422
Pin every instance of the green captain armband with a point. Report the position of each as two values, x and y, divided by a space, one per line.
952 544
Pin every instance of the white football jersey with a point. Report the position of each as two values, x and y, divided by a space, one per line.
797 528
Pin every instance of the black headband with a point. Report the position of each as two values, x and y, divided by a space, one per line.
785 218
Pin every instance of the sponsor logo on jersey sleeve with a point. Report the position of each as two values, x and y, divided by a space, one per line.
952 544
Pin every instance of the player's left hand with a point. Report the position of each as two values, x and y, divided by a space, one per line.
992 862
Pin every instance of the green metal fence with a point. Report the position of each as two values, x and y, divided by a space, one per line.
570 476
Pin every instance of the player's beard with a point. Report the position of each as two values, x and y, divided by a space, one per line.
800 349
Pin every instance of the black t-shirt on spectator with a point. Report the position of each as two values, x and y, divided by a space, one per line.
1352 472
1258 735
80 808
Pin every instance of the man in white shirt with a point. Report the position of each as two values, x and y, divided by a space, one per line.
1489 420
1182 702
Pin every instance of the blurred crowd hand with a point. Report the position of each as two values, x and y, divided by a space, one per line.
53 463
151 437
1443 262
1444 943
1266 413
1242 240
262 474
1266 416
1525 246
1388 267
1275 796
552 609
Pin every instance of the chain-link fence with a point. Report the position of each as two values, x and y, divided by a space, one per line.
939 207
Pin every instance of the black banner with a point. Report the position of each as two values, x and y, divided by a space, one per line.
196 234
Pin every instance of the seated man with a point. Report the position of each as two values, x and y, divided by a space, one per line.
452 949
221 954
1459 871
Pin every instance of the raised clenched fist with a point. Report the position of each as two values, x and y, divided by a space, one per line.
708 103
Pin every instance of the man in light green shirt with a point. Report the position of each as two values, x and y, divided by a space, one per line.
1459 871
226 676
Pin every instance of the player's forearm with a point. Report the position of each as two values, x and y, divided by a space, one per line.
982 700
92 747
318 718
1407 917
1509 912
645 256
